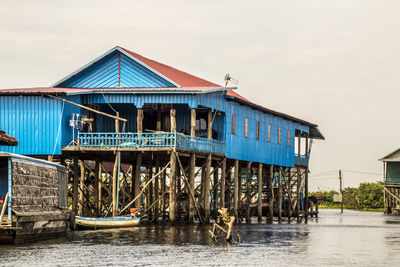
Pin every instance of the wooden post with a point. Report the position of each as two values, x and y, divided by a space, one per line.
96 189
384 201
289 189
215 189
228 188
150 191
193 122
100 189
280 195
75 186
207 189
139 121
298 204
173 121
82 188
192 173
223 182
260 187
172 188
236 190
164 198
209 125
137 178
156 189
299 145
248 192
306 152
270 184
306 197
114 186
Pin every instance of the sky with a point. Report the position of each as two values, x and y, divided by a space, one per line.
333 63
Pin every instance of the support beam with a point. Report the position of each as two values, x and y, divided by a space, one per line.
236 190
298 195
207 179
192 169
270 185
306 194
280 195
157 190
137 179
223 183
248 192
289 188
139 121
75 186
193 122
172 189
115 185
96 189
173 121
260 187
215 187
81 186
209 125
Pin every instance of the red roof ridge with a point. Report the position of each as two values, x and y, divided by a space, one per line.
182 78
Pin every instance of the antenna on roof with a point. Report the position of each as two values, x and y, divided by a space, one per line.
228 79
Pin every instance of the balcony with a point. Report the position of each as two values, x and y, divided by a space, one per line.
301 160
147 141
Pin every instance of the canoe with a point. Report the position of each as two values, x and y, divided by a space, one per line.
85 223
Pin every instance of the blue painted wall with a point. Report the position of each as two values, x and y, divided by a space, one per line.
34 122
106 72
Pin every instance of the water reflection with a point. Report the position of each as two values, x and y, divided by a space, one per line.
357 238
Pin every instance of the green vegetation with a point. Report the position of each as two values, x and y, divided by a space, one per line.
368 196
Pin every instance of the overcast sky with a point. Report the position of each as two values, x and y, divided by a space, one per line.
333 63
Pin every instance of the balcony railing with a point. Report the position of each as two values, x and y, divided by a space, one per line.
301 159
150 140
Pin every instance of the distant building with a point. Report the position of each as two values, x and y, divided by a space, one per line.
391 176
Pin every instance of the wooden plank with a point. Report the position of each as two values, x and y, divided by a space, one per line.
236 190
260 187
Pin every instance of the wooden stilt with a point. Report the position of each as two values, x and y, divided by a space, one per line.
215 187
228 188
192 169
289 189
150 189
306 194
75 185
100 175
280 195
114 186
96 189
207 189
81 188
172 189
156 190
236 190
249 177
298 204
260 187
223 183
270 195
137 179
164 198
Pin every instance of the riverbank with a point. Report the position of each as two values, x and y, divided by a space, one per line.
321 206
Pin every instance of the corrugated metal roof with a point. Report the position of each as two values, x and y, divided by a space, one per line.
61 90
182 78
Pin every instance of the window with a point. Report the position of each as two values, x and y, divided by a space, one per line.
201 124
279 135
288 138
269 133
233 123
246 127
258 130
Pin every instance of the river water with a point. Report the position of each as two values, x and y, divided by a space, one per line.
352 238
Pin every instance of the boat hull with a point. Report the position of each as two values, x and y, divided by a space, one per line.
86 223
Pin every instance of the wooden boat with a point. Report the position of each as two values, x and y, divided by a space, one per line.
85 223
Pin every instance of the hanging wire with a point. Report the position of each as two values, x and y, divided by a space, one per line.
58 131
108 102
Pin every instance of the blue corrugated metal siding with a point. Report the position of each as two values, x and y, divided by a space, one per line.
33 121
113 68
